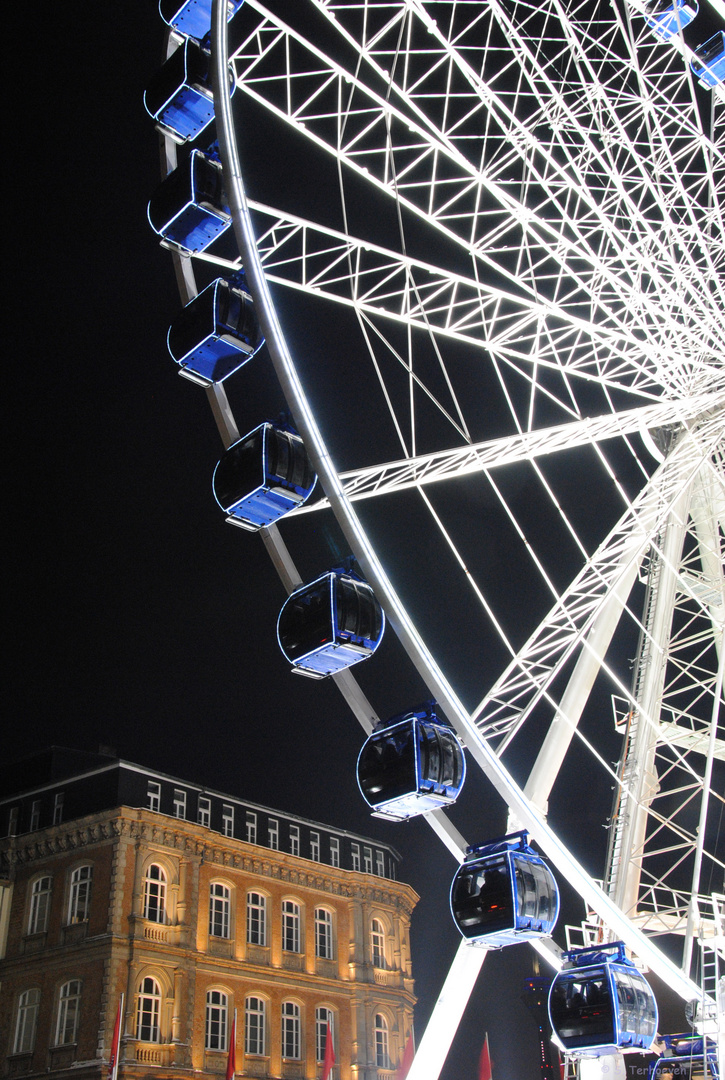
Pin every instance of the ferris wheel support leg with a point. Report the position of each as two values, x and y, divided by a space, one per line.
452 1000
558 738
693 910
648 682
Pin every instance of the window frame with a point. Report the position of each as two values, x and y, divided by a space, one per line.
355 855
221 1009
40 908
203 812
180 804
368 860
377 944
273 834
380 863
294 840
153 795
69 1007
79 894
324 933
291 926
250 826
35 815
161 883
334 851
291 1022
321 1024
257 908
26 1021
58 807
220 910
255 1036
381 1031
147 994
227 819
315 846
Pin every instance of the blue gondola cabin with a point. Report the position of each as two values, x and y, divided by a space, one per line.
263 476
179 97
668 17
683 1058
411 764
217 332
601 1004
189 209
192 17
504 893
708 61
330 624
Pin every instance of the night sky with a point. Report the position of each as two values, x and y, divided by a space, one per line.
137 618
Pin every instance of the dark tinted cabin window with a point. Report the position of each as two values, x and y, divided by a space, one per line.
239 472
357 611
581 1009
305 621
482 900
387 765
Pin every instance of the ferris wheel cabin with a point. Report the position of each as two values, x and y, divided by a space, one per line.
668 17
179 97
192 17
600 1003
504 893
411 764
188 208
330 624
684 1057
263 476
708 61
217 332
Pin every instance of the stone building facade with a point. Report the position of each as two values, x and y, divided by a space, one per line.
194 906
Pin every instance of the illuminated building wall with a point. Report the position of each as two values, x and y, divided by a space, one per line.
193 904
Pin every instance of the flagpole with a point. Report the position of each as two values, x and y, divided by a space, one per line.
116 1042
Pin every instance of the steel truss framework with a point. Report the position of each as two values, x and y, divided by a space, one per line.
542 227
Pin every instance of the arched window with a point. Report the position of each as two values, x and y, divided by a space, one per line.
324 941
324 1023
69 1004
256 918
27 1022
40 905
291 1046
79 902
255 1040
217 1009
382 1056
291 920
219 909
148 1011
377 943
154 894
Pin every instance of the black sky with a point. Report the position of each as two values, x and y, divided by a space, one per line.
136 617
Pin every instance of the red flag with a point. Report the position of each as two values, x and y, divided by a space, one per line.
232 1055
115 1042
484 1065
408 1055
329 1062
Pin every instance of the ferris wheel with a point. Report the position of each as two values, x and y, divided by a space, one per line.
500 225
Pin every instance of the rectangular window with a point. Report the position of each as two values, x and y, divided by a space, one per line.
323 934
13 821
39 905
227 819
153 794
179 803
334 851
204 812
58 808
251 827
380 864
273 834
27 1022
255 1027
315 846
80 894
294 839
368 853
219 910
256 918
68 1009
290 1031
216 1020
355 849
35 815
323 1026
290 926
